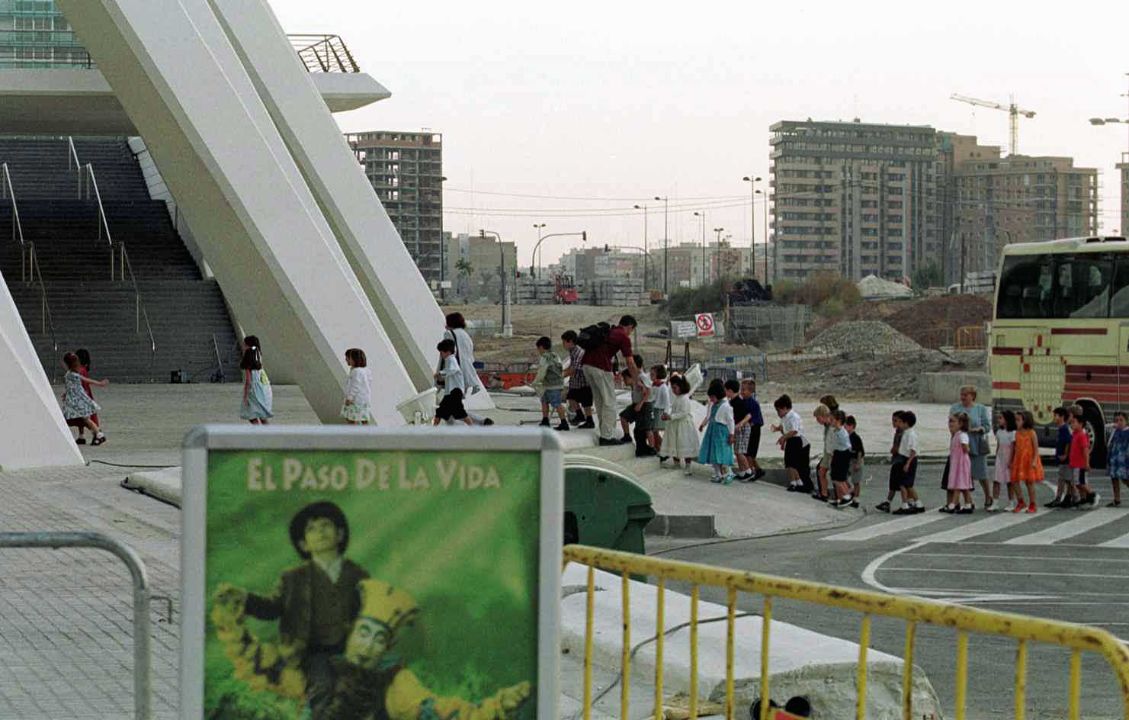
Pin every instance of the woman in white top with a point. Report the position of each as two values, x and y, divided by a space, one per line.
464 353
357 409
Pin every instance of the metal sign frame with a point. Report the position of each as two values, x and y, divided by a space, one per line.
203 439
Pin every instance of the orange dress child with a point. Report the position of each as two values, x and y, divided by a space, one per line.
1026 452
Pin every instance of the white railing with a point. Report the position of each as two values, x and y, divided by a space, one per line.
73 164
119 260
29 262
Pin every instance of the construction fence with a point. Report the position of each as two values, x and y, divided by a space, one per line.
769 327
915 612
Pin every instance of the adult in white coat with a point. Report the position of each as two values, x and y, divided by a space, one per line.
476 396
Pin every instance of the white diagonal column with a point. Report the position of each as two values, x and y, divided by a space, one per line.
36 434
383 265
277 261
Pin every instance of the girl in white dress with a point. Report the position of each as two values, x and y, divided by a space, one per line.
680 440
78 406
1005 448
357 409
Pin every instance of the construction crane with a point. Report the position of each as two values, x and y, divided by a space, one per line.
1011 109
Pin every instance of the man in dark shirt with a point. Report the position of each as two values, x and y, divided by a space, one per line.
597 364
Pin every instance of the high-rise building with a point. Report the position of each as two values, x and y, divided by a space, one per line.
854 199
34 34
406 170
994 200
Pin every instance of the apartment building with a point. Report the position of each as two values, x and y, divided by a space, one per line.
34 34
406 170
853 198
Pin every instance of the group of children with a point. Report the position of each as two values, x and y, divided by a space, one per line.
79 409
842 461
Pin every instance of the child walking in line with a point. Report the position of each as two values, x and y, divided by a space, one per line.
549 382
822 416
840 467
1119 456
797 449
1026 465
78 407
579 393
357 409
960 467
742 429
858 458
897 461
1088 498
660 406
1064 493
756 423
717 443
1005 448
84 370
638 413
907 447
258 398
681 441
454 387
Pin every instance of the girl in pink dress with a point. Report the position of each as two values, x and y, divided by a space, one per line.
960 467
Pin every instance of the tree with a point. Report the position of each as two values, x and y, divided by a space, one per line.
465 270
926 276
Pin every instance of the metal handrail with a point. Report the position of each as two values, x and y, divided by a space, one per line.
72 161
103 223
121 262
324 53
29 261
139 309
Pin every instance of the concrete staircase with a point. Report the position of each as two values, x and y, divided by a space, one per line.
187 314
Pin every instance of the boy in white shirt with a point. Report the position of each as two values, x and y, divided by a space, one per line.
797 449
451 406
911 504
661 401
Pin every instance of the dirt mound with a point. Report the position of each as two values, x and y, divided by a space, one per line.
933 322
862 336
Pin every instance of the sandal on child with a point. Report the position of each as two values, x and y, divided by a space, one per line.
98 440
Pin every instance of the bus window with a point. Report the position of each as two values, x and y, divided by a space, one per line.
1025 287
1119 305
1082 290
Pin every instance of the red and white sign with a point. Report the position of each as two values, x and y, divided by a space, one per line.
704 321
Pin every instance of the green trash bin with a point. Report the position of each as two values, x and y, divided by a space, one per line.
604 506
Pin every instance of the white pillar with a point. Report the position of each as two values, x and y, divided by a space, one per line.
386 271
277 261
37 436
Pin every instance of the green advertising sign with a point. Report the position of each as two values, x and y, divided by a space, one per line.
334 573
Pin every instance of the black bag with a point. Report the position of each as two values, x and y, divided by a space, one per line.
593 336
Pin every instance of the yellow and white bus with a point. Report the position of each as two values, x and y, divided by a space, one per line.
1060 333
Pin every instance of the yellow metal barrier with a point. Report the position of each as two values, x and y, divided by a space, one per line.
971 337
914 611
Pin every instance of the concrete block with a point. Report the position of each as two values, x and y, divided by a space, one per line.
801 661
682 526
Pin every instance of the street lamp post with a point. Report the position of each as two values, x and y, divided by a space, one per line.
583 238
702 215
533 263
666 243
717 249
753 180
646 281
507 326
1125 156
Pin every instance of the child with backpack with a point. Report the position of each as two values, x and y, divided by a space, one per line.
549 383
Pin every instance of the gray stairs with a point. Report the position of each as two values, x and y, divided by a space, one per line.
187 314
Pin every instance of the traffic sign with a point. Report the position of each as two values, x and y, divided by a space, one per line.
704 321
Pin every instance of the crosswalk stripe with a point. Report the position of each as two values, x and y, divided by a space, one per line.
888 527
980 527
1118 542
1068 529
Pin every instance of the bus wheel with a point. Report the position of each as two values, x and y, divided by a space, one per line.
1095 428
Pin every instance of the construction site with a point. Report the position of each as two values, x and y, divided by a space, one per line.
876 349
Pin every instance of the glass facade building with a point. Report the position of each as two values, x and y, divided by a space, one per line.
34 34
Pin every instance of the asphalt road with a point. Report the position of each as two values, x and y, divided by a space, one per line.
1059 564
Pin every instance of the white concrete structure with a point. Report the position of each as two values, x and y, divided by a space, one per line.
369 240
36 434
81 102
176 75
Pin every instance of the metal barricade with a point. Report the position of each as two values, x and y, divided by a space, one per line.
142 709
971 337
914 611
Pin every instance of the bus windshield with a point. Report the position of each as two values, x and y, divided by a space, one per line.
1064 286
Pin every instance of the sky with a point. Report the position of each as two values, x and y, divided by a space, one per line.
618 102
